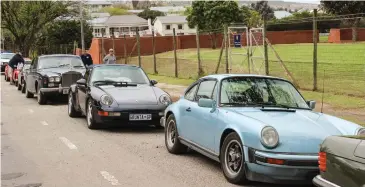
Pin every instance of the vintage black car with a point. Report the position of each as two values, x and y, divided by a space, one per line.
342 162
117 94
53 75
21 76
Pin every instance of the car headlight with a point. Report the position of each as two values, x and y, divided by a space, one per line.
165 99
51 79
106 100
361 132
57 79
269 137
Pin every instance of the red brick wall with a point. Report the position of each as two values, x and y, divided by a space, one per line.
343 35
165 43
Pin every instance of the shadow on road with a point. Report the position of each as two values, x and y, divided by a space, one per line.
131 129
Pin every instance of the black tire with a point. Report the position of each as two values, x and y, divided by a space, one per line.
91 124
233 175
172 142
7 79
41 98
28 94
23 88
72 112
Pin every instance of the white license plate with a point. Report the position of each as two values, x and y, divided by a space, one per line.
140 117
65 91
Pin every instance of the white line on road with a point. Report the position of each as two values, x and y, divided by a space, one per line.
68 143
44 123
31 111
109 178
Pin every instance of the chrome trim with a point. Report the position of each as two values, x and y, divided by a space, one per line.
57 89
199 149
286 156
318 177
162 121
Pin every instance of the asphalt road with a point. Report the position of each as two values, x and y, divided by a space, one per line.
42 146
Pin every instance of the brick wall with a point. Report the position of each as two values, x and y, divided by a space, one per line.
165 43
344 35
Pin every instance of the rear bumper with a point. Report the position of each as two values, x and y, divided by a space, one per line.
58 90
321 182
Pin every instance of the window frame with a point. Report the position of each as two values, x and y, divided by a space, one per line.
195 97
178 26
168 26
197 83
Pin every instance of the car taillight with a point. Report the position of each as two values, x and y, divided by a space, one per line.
322 161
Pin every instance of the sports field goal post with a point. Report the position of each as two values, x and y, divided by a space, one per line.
238 44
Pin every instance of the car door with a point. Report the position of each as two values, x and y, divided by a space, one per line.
82 91
204 119
185 128
31 77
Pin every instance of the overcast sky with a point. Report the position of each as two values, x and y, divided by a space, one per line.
303 1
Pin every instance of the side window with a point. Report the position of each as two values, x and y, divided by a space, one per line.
191 93
34 63
206 89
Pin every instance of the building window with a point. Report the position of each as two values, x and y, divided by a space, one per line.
168 27
180 27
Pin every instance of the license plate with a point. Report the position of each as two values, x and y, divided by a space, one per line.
140 117
65 91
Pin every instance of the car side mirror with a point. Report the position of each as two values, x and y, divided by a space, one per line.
81 82
311 104
206 103
153 82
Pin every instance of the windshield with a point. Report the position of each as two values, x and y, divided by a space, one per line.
128 74
60 61
7 55
250 91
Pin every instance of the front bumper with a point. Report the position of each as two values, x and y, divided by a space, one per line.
119 117
321 182
57 90
288 168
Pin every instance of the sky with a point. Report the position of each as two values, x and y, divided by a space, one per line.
303 1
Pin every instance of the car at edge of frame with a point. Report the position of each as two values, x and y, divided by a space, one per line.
259 128
342 162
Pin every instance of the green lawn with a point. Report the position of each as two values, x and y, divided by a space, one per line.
342 64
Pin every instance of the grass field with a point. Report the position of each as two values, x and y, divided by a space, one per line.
342 64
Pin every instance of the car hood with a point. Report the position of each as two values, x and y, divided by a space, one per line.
140 95
60 71
301 131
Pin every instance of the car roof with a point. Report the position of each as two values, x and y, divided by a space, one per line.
222 76
58 55
101 65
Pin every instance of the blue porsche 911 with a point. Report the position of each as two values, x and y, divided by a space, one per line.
259 128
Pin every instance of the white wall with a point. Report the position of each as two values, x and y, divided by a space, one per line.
161 29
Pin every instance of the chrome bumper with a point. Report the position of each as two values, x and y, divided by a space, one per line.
321 182
61 90
162 121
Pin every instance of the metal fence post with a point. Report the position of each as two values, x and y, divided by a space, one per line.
138 48
175 55
266 55
315 50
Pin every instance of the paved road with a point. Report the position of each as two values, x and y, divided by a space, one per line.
42 146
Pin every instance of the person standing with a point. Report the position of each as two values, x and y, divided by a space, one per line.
86 58
110 58
14 61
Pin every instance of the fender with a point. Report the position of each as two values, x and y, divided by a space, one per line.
73 91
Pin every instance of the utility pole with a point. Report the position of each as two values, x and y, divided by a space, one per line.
82 26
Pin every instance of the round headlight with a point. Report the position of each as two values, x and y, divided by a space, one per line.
51 79
269 137
57 79
361 132
165 99
106 100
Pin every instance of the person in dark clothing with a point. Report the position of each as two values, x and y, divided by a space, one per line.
14 61
86 59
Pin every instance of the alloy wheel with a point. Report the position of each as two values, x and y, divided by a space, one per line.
233 157
171 133
89 114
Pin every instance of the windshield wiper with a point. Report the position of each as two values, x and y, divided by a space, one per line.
78 66
241 104
275 105
63 65
115 83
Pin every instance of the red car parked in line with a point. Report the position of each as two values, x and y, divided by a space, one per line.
13 78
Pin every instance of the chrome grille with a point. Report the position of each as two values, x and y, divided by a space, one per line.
69 78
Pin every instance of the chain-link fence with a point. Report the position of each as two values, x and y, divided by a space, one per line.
334 59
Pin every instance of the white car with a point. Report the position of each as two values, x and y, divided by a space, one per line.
4 59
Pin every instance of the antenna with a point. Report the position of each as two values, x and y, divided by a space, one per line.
324 73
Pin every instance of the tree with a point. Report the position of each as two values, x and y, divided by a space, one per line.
113 11
346 7
150 14
254 19
264 9
24 20
135 4
210 16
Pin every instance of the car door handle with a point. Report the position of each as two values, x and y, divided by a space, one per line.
188 109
